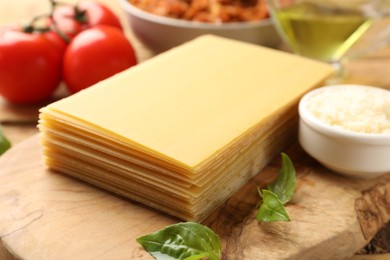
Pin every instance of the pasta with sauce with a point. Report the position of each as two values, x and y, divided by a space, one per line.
212 11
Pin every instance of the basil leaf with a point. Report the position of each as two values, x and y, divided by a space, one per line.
4 143
284 185
272 208
186 240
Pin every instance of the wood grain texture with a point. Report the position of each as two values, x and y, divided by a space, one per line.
373 208
46 215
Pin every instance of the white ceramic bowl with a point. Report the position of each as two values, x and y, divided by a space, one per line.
364 155
160 33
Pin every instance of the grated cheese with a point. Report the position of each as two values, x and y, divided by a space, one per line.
355 108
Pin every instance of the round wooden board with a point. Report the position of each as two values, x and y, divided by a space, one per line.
46 215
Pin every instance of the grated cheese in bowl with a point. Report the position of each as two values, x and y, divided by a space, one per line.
347 129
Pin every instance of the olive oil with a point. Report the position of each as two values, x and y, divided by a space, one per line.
321 33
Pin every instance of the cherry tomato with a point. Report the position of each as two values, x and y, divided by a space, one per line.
30 66
95 54
71 20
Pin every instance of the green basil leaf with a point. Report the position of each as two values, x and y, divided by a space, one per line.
284 185
272 208
4 143
183 241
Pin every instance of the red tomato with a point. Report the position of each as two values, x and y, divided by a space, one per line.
73 19
30 66
57 40
96 54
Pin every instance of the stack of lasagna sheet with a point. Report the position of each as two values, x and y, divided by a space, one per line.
183 131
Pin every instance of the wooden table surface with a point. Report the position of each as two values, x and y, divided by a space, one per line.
19 122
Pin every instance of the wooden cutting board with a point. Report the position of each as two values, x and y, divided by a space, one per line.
46 215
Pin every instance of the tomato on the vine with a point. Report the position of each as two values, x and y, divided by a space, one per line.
71 20
30 65
96 54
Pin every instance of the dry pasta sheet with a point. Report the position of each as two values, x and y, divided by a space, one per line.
183 131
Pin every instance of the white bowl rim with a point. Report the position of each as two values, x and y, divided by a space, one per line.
190 24
314 122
